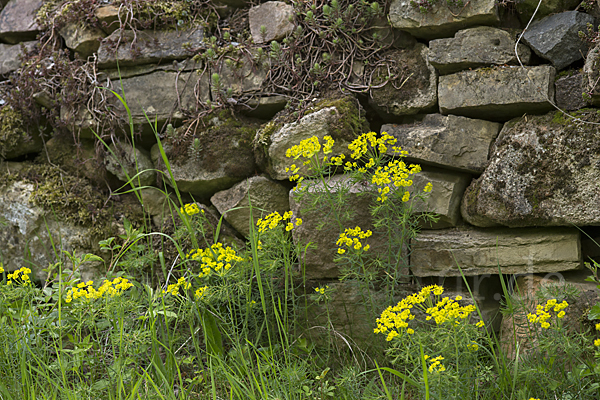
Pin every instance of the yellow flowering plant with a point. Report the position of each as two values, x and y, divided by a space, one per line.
441 324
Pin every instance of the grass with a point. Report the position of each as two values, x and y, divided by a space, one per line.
235 321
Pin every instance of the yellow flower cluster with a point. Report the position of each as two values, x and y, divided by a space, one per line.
321 290
428 187
394 320
108 288
397 173
200 292
191 209
216 259
308 148
351 238
20 276
360 146
272 220
543 313
435 364
1 268
174 287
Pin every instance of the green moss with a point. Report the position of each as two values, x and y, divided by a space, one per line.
560 118
12 130
70 199
352 122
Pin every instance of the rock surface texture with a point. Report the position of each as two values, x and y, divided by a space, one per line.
569 92
474 48
543 171
480 252
447 141
497 94
263 194
412 93
271 21
441 21
17 20
556 38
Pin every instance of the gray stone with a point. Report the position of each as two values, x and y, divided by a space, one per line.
10 56
441 21
17 20
543 171
444 198
156 201
126 163
569 92
161 95
211 160
244 78
275 17
82 39
447 141
273 139
29 233
497 94
526 8
556 38
265 107
592 76
474 48
479 252
411 93
264 195
145 47
16 138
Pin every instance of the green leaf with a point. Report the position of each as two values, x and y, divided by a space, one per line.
594 312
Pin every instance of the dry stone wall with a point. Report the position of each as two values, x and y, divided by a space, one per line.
473 107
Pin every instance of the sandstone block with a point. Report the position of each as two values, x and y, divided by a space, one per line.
145 47
441 21
448 141
108 15
264 195
411 93
478 252
82 39
543 171
497 94
274 19
445 197
343 119
17 20
213 159
556 37
474 48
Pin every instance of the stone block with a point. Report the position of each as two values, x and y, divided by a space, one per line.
273 139
543 171
146 47
569 92
445 197
274 19
411 93
475 47
556 37
497 94
525 8
511 251
441 20
10 56
17 20
447 141
82 39
108 16
125 162
265 196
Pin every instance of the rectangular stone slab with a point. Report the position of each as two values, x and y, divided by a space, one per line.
479 251
497 94
447 141
441 20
